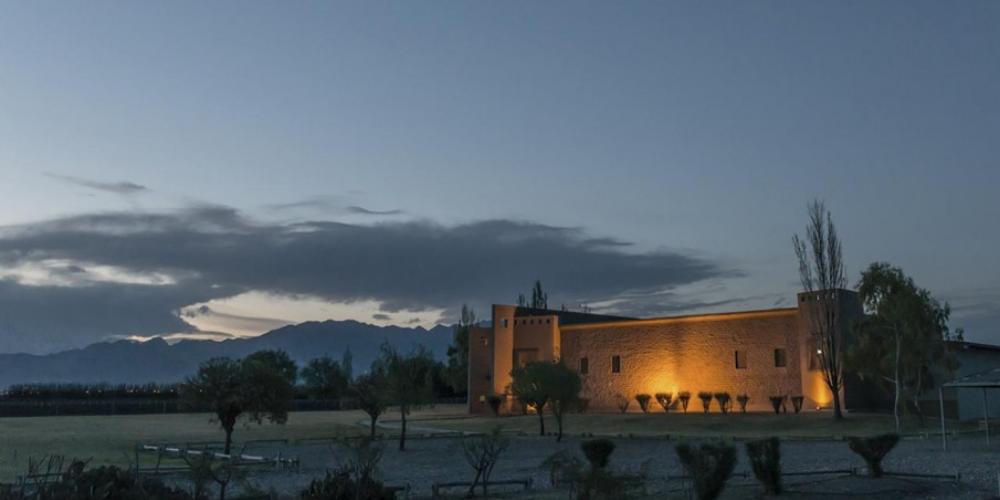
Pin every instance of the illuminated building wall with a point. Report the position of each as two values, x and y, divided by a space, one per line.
758 353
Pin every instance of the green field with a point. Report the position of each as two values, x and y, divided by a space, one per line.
110 439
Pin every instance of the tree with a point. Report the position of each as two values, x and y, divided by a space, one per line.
407 380
482 453
821 269
541 383
254 389
902 340
456 374
325 378
277 360
369 393
539 299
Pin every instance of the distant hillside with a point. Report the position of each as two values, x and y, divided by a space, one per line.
157 361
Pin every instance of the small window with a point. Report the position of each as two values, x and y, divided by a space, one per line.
548 321
584 366
505 322
780 358
815 361
741 360
616 364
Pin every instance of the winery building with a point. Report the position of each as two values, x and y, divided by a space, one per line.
758 353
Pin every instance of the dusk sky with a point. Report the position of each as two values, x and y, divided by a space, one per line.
212 169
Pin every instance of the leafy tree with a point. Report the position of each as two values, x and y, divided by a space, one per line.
901 341
541 383
325 378
368 391
407 380
821 269
277 360
456 374
255 388
539 299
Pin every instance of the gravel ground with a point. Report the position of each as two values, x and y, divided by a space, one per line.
430 460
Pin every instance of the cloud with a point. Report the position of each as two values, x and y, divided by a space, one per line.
123 187
331 204
212 252
356 210
381 317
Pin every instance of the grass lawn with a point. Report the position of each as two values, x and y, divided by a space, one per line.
808 424
110 439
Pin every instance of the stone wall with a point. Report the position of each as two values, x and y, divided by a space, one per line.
688 354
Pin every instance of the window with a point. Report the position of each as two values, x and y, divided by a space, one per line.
505 322
584 366
815 347
616 364
780 358
741 360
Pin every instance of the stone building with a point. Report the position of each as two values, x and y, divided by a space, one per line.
757 353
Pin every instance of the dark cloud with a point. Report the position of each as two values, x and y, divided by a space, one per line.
333 204
356 210
215 252
381 317
123 187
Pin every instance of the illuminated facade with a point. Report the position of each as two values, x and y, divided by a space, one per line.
757 353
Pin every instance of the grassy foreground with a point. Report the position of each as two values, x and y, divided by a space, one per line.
111 439
808 424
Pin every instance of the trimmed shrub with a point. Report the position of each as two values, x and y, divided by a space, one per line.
495 401
598 452
706 399
623 402
709 465
643 400
725 401
778 403
742 399
765 460
685 397
873 450
797 403
665 399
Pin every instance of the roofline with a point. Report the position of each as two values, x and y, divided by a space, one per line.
764 313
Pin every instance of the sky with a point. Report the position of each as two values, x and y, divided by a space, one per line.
218 169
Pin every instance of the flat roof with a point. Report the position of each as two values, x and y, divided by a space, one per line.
765 313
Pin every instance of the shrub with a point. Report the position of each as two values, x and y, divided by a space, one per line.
765 459
797 403
105 482
709 465
742 399
340 486
873 450
623 402
778 402
685 397
643 400
706 399
725 401
495 401
598 482
582 404
665 399
598 452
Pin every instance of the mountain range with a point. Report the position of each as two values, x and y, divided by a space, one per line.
155 360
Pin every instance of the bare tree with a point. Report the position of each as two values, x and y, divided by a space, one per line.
482 453
821 271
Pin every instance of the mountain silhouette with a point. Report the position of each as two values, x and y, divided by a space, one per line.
128 361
